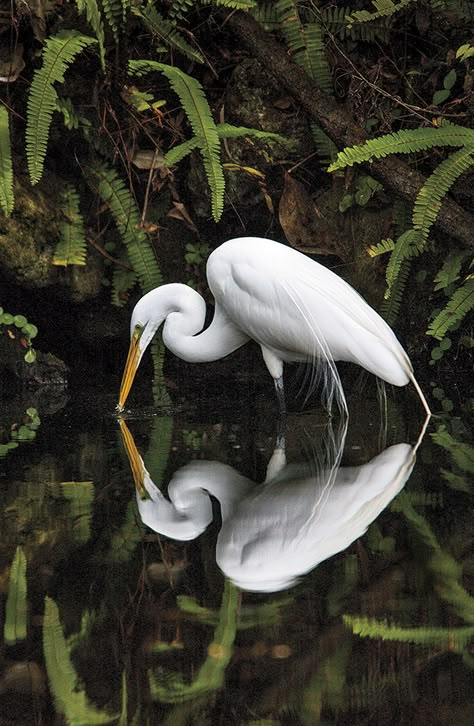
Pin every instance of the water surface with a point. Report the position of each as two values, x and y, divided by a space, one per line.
332 585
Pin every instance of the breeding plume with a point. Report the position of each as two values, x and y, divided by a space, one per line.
293 307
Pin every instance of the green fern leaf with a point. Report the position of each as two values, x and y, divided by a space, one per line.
460 304
179 8
166 31
94 18
312 57
334 21
69 698
429 198
123 280
122 205
454 638
58 53
234 4
461 452
404 142
114 13
196 107
229 131
72 246
305 43
450 270
72 119
390 306
384 246
265 14
180 151
383 8
7 200
406 247
325 146
224 131
16 611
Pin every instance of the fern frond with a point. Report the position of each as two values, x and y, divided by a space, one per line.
164 29
333 19
429 198
450 270
229 131
404 142
16 609
179 8
460 304
453 638
114 13
58 53
265 14
72 119
196 107
94 18
381 248
383 8
72 246
461 452
7 200
312 57
406 247
224 131
305 43
390 306
123 280
402 212
180 151
325 146
111 188
234 4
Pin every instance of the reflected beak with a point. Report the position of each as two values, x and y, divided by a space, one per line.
131 366
135 460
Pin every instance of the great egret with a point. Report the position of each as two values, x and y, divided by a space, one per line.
293 307
274 532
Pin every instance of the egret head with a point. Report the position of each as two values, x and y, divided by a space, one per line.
143 327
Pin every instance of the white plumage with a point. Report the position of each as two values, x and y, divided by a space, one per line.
293 307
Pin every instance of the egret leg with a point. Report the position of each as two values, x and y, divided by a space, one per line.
281 427
280 392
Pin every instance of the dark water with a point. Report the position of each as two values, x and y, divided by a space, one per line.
329 586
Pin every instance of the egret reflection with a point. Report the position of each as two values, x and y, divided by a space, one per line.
275 532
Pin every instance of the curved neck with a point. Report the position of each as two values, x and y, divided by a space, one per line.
186 317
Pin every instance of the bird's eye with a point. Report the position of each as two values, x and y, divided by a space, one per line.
138 330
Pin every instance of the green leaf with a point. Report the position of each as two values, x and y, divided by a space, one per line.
404 142
69 696
440 96
196 107
460 304
7 200
450 79
58 53
111 188
16 612
72 246
30 330
30 356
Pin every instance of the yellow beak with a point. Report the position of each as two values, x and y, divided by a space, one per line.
131 366
136 463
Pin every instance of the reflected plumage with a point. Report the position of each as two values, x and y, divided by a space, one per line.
273 533
293 307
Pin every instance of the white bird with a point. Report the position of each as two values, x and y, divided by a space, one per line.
293 307
273 533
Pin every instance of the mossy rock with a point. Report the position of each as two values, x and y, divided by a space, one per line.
28 239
